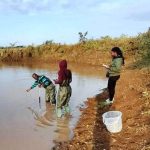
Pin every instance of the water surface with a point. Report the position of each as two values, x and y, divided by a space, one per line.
26 126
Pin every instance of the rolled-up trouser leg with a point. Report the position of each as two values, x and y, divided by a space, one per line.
50 94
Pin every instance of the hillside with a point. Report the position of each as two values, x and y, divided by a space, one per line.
136 49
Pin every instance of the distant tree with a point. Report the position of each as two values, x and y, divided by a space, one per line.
82 37
107 37
48 42
20 46
13 44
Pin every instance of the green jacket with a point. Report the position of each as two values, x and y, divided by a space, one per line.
115 67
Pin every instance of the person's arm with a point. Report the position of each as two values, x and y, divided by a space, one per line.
60 79
28 90
106 66
70 80
33 86
40 81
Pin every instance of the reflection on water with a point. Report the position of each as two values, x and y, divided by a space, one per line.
40 118
26 126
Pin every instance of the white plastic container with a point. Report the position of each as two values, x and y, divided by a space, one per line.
113 121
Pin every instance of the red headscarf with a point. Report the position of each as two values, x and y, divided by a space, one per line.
64 73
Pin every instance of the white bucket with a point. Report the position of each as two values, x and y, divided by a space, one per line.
113 121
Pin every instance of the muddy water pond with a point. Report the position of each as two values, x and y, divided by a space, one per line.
24 125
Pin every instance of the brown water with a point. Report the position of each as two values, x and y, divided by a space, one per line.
26 126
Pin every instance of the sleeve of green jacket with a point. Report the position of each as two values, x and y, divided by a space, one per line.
34 85
116 66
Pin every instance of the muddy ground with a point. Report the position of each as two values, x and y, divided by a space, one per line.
133 100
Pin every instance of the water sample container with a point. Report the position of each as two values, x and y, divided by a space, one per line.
113 121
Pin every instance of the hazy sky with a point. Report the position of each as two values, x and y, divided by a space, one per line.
35 21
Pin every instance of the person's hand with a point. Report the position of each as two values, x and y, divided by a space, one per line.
28 90
39 85
106 66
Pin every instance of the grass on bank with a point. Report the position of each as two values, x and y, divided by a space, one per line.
137 48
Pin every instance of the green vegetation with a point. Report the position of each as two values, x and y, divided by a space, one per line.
93 51
144 50
82 37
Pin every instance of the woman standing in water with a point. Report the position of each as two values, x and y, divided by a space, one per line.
65 91
114 71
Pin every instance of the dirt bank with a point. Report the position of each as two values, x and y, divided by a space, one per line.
133 100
